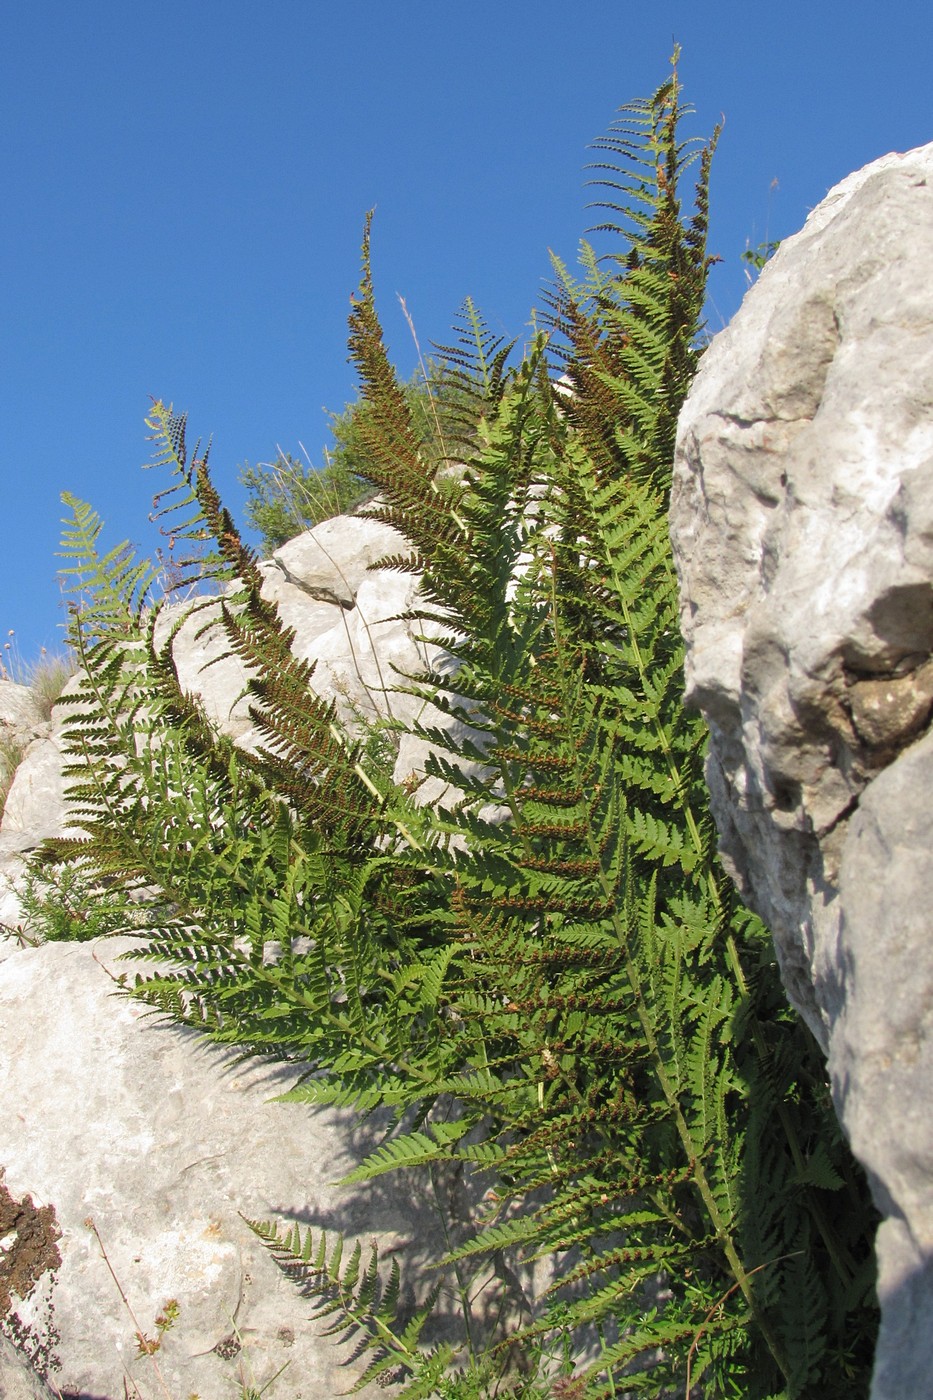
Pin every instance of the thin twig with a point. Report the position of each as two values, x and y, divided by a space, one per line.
718 1304
89 1222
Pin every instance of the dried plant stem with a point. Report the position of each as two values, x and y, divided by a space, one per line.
89 1222
718 1304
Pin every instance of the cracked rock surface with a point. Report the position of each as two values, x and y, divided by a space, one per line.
802 525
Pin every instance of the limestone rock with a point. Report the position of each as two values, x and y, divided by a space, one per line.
347 619
18 1380
204 665
13 850
881 1043
35 802
802 524
19 713
331 561
369 649
21 726
164 1141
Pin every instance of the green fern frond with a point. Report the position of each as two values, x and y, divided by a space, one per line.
366 1309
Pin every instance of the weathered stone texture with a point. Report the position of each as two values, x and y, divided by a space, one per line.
802 522
19 713
18 1380
164 1141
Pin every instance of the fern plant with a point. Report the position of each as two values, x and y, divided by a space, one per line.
548 981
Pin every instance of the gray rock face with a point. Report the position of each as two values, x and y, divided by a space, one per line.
163 1141
18 1380
35 802
19 712
331 561
21 729
23 744
802 523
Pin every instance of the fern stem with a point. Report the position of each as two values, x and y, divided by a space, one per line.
462 1287
845 1266
370 786
723 1232
842 1260
692 1150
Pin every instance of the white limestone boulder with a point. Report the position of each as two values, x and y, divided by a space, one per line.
19 710
164 1142
14 848
205 666
35 803
22 726
331 561
802 525
347 619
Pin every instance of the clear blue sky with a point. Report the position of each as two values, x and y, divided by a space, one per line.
184 186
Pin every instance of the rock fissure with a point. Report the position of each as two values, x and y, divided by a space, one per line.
890 712
319 594
736 420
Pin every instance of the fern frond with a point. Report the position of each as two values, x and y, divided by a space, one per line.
366 1309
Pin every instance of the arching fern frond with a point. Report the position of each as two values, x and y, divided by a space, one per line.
632 328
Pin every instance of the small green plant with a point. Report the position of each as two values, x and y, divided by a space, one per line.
164 1321
47 678
64 903
145 1345
149 1344
288 496
386 1324
756 258
12 749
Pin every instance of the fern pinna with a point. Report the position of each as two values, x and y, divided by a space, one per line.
547 978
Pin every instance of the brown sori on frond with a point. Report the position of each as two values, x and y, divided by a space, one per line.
241 559
586 394
306 761
393 462
181 711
